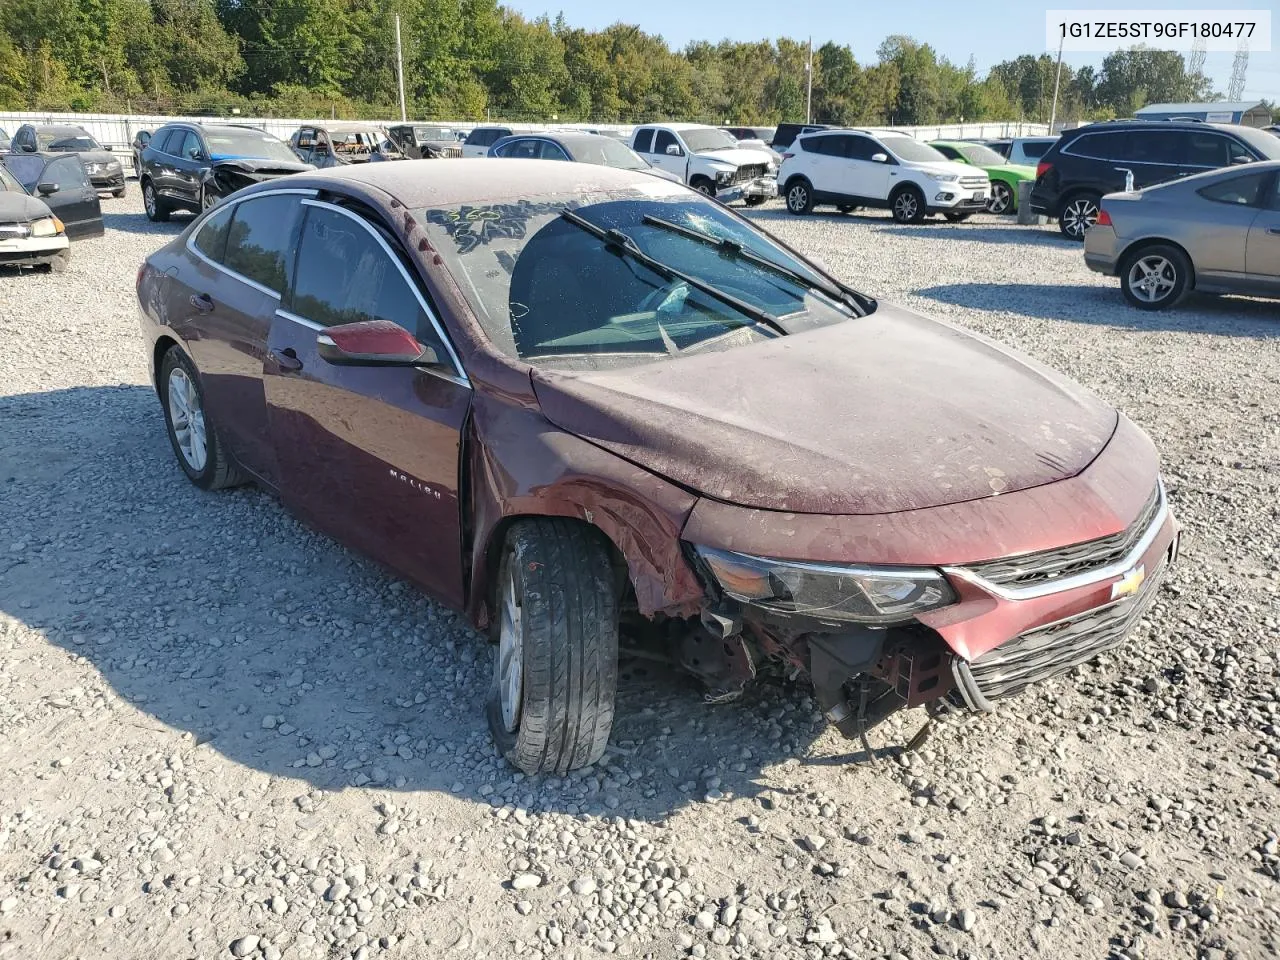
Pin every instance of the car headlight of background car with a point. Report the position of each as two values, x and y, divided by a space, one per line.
725 176
827 592
945 177
46 227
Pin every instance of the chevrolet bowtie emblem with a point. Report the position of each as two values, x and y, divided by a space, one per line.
1129 584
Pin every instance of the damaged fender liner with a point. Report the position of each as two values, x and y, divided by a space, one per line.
228 176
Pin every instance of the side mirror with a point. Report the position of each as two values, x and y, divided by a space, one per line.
373 343
106 148
673 150
194 153
46 188
880 158
1241 160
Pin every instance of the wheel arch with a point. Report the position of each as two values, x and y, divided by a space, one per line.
164 343
1145 243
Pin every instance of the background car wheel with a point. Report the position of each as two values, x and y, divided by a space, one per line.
207 199
157 210
118 193
555 674
1155 278
907 205
1078 214
754 201
956 217
192 434
846 208
799 197
1002 198
703 186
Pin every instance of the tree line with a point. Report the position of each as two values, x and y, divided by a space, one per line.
468 59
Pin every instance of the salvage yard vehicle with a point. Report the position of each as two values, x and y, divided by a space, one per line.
579 403
105 171
864 168
1022 151
339 142
1087 163
1217 232
1004 176
575 147
191 166
425 141
709 160
30 235
60 180
479 140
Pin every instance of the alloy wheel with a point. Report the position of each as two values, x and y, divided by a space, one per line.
1079 216
149 200
1152 278
1001 198
186 415
797 198
905 206
509 665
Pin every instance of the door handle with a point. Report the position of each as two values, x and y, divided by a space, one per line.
202 302
286 359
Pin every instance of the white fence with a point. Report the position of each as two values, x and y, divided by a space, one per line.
117 130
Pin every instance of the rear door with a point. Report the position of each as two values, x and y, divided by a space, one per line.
238 260
370 455
1226 212
1262 258
75 203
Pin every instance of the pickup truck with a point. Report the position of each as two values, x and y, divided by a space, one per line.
710 160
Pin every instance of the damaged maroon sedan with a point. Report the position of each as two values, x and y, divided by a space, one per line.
579 404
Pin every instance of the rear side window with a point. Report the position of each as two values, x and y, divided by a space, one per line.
258 240
345 276
522 149
1034 150
1245 191
1099 146
826 146
552 152
163 138
67 172
211 238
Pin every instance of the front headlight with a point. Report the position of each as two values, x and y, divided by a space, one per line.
945 177
46 227
828 592
724 176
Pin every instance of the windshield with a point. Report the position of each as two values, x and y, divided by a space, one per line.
703 139
248 143
1261 141
427 134
550 292
979 155
67 143
608 153
912 150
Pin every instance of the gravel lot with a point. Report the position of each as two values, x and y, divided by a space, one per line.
226 735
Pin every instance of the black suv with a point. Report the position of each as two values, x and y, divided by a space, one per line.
1090 162
786 133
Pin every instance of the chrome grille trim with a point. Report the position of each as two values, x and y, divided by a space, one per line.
1039 574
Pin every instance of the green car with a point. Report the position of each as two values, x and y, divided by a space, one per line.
1005 177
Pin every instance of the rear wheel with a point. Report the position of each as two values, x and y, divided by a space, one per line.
1078 214
956 217
1002 198
555 676
799 197
193 436
703 186
118 193
207 199
907 205
1155 278
157 209
754 201
846 208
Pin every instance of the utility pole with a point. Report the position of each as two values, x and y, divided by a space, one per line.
1053 111
808 102
400 70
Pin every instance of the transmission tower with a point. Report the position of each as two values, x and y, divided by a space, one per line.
1195 59
1235 90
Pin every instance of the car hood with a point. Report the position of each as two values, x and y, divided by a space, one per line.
948 167
1019 171
92 156
19 208
876 415
259 165
736 156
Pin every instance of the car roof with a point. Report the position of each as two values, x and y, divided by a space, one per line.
66 129
568 138
480 180
682 126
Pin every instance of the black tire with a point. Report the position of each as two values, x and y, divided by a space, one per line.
155 206
846 208
564 587
219 470
1079 212
118 193
799 196
907 205
1003 198
957 217
1155 277
703 186
754 201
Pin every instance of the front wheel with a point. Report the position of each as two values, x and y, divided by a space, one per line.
1002 199
799 197
704 186
956 217
908 206
1078 215
754 201
1155 278
555 673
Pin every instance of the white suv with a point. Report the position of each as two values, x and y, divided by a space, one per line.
861 168
709 160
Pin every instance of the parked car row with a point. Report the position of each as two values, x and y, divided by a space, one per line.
46 200
103 168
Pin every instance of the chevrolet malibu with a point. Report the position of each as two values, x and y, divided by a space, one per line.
578 402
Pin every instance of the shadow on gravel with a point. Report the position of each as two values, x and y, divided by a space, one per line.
1103 305
218 614
983 233
138 223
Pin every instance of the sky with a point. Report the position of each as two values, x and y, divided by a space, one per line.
990 30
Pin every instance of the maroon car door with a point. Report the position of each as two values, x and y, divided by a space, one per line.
227 297
368 454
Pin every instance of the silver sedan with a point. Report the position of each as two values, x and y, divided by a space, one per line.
1216 232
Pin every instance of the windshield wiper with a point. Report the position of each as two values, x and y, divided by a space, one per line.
617 240
740 252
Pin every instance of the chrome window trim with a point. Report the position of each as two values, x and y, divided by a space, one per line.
459 375
231 204
1150 163
1089 578
302 321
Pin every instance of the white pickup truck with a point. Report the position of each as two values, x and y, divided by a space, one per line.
710 160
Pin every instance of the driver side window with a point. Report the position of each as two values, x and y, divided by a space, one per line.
664 139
